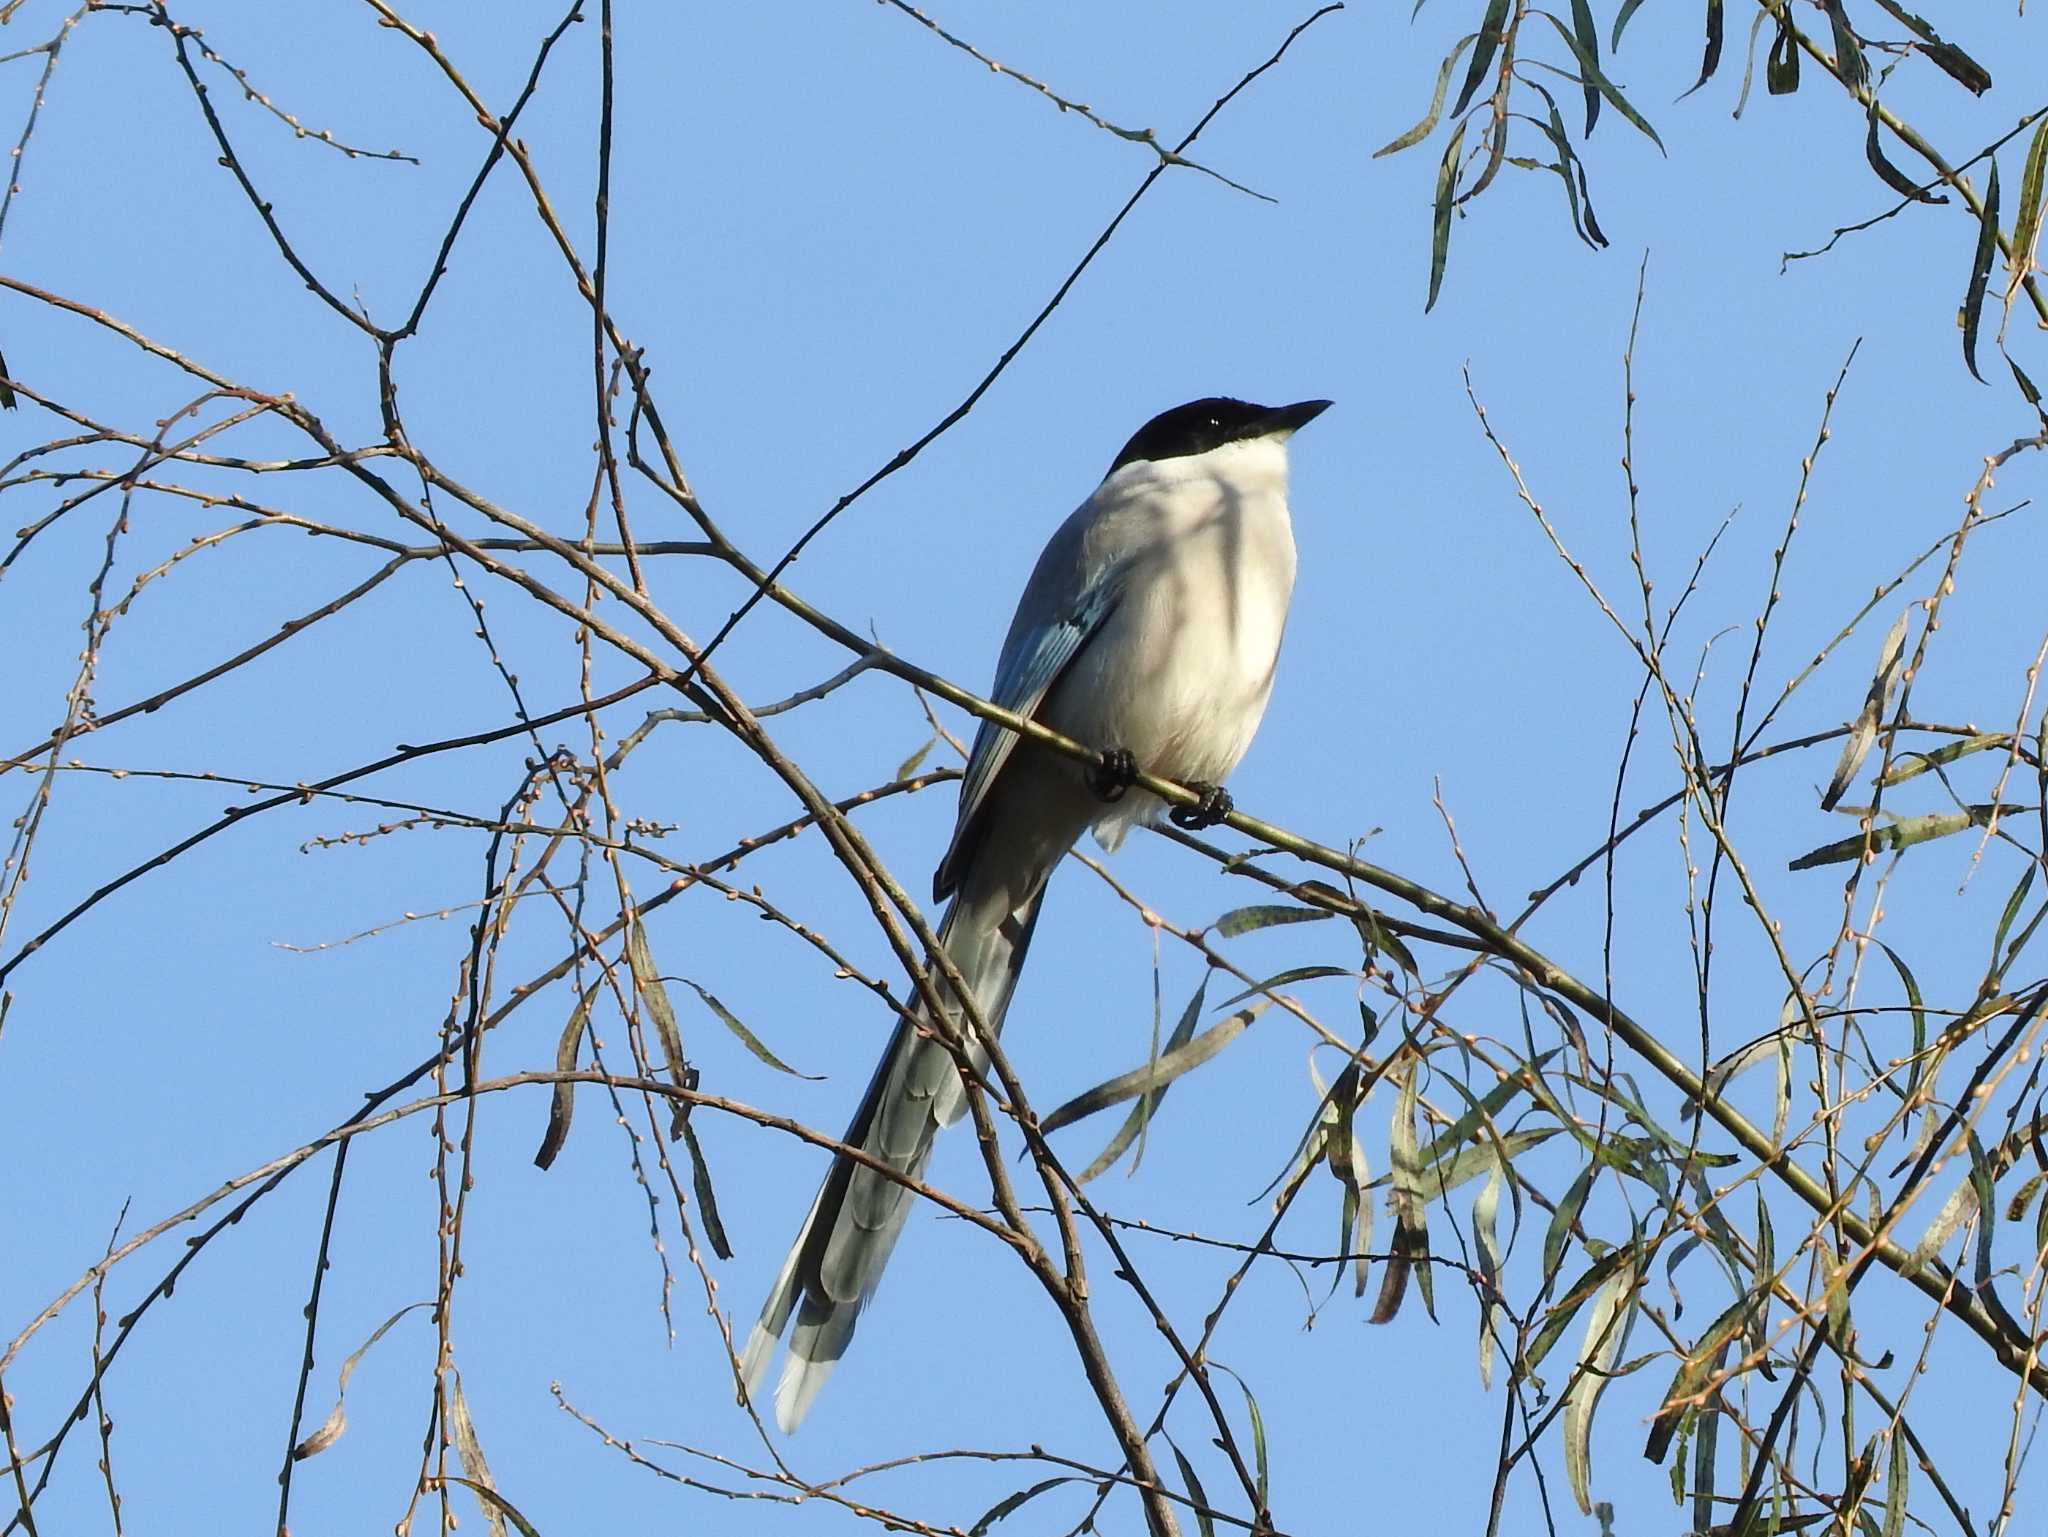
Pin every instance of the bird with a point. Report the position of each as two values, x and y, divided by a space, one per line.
1148 631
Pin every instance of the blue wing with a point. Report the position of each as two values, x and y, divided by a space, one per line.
1029 669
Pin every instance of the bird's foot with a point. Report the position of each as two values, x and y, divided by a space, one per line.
1213 807
1116 773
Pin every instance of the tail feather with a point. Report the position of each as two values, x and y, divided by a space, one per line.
767 1331
845 1242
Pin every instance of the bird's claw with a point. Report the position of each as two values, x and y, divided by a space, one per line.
1116 773
1212 808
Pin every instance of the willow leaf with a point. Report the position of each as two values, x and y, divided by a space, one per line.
1863 731
1888 173
1153 1077
1010 1503
1910 765
1959 66
1427 126
1781 65
1589 47
564 1104
1980 272
1606 1328
647 981
1440 217
1590 74
337 1418
747 1037
2026 230
1492 29
1246 920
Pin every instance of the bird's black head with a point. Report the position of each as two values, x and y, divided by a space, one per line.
1201 425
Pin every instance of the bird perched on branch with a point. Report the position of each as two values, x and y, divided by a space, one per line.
1149 629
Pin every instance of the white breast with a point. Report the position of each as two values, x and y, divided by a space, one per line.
1181 672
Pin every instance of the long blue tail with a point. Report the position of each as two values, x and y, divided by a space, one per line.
845 1242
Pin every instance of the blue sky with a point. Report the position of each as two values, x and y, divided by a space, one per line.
826 225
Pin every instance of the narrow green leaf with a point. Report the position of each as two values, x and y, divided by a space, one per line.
1720 1235
1911 765
707 1199
1621 19
337 1418
1562 1220
1606 1327
2013 904
1287 978
1244 920
1593 230
1427 126
1409 1201
747 1037
1756 25
1441 1178
1401 1201
1958 65
1862 1468
2026 231
1836 1299
1766 1255
1701 1362
1902 834
470 1450
1781 1102
1251 1408
1919 1008
495 1504
1009 1504
909 765
564 1104
1706 1443
1983 1183
1440 218
1980 272
1308 1148
1781 67
1888 173
1205 1522
1474 1120
1486 1248
1895 1487
1586 229
1353 1171
1849 61
2017 1203
1561 1312
2028 388
1140 1115
1381 940
1589 47
1590 74
1863 731
1765 1048
647 981
1153 1076
1491 34
1394 1275
1955 1211
1711 60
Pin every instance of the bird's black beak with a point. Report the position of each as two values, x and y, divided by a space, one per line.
1284 421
